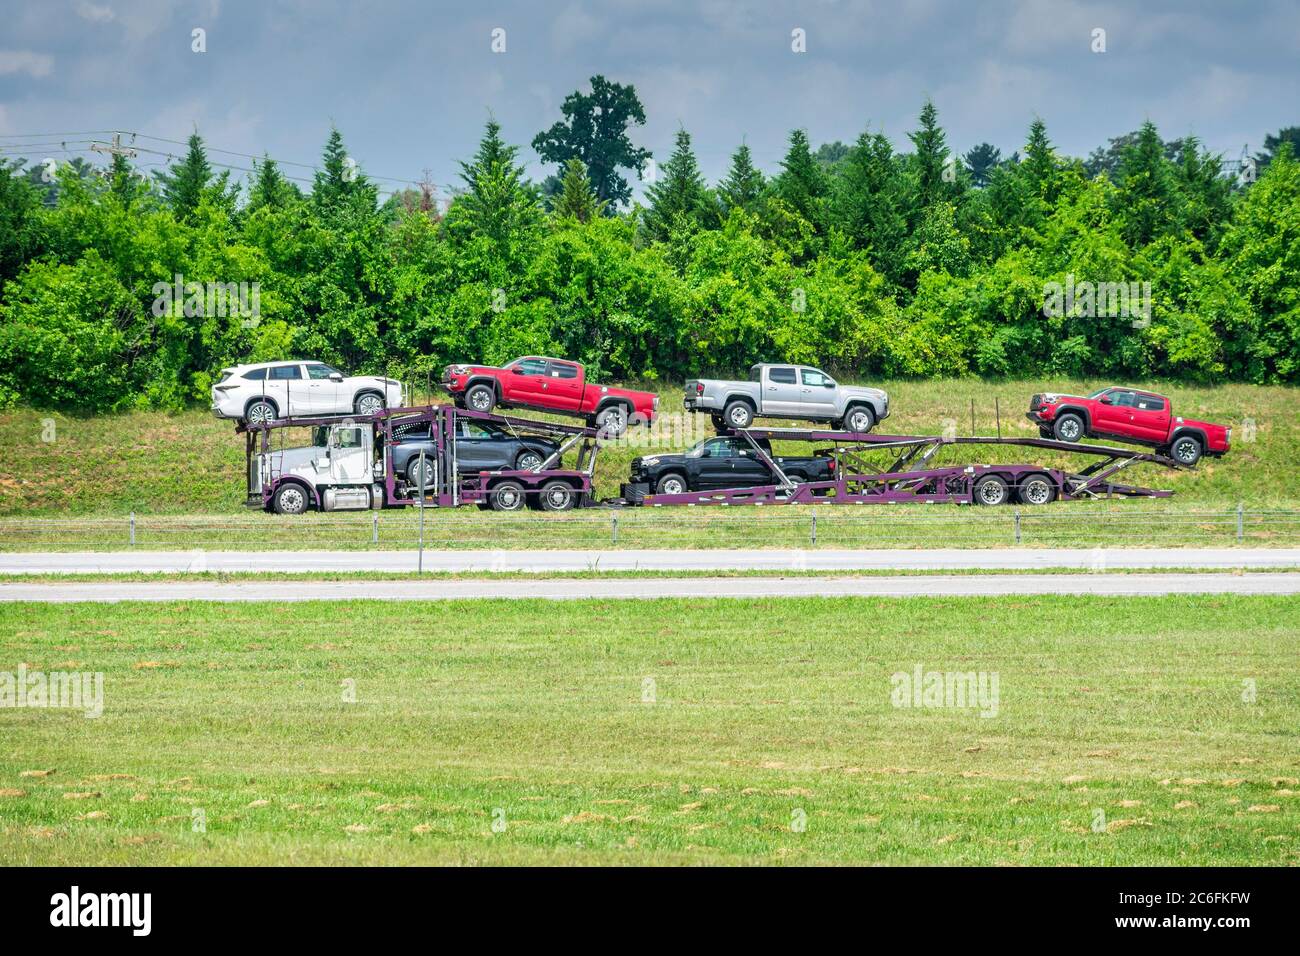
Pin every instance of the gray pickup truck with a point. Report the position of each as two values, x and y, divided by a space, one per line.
787 391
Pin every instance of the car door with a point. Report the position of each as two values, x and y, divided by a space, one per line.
527 383
288 386
323 392
563 386
1112 417
1150 418
781 391
817 394
349 455
747 469
473 447
715 464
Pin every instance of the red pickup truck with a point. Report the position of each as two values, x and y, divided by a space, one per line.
552 385
1132 415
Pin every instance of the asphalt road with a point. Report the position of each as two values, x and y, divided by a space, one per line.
938 559
1282 582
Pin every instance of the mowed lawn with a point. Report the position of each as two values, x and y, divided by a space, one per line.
1125 731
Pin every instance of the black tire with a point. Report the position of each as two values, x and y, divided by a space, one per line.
528 459
991 490
557 496
507 496
260 411
612 420
719 422
481 398
859 419
738 414
1069 427
368 403
1045 432
1186 450
671 484
413 473
1036 489
290 499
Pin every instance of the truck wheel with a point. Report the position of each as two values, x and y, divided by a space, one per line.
1186 450
718 421
1069 427
612 421
507 496
859 420
671 484
481 398
738 414
260 412
1037 490
991 490
557 496
289 499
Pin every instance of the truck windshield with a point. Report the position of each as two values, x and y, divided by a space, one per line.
320 436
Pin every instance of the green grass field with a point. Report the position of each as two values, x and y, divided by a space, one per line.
658 732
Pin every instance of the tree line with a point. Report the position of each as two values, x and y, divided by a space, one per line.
861 258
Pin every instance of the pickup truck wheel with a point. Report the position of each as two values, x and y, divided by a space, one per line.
859 420
1186 450
368 403
1068 427
738 414
528 460
507 496
557 496
991 490
481 398
671 485
289 499
260 412
1036 490
718 421
612 421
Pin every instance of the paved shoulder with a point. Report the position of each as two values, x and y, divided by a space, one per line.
642 588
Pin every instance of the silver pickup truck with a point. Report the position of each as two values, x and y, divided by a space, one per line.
787 391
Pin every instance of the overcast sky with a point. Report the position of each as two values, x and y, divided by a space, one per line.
411 83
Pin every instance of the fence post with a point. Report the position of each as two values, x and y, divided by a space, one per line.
814 528
133 529
374 527
1017 516
613 529
1241 513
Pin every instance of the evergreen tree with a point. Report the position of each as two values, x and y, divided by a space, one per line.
123 181
802 183
679 199
339 182
1146 199
1206 193
868 205
577 200
981 160
184 183
499 203
1040 165
269 187
928 161
744 184
1273 142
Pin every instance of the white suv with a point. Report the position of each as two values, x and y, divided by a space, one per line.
269 390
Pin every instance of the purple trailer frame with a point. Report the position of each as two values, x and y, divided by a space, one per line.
450 488
905 480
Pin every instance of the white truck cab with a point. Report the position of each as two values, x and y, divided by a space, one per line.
336 472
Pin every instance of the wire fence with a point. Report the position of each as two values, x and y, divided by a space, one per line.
787 526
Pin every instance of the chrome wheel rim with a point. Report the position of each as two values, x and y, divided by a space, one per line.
558 497
1070 430
369 405
1185 450
509 498
673 486
859 422
991 493
292 501
528 462
738 416
480 401
260 413
1036 491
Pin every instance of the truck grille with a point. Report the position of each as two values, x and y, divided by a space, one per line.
1035 402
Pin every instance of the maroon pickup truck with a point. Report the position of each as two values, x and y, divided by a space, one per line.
1131 415
551 385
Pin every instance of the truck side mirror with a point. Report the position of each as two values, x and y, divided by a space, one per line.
336 376
1106 400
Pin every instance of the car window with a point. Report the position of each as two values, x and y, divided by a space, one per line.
1127 399
756 373
531 366
563 370
256 375
813 377
317 370
285 373
472 430
720 448
785 376
1149 403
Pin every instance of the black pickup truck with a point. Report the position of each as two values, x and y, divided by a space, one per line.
723 463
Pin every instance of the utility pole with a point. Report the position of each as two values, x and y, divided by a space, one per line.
115 148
